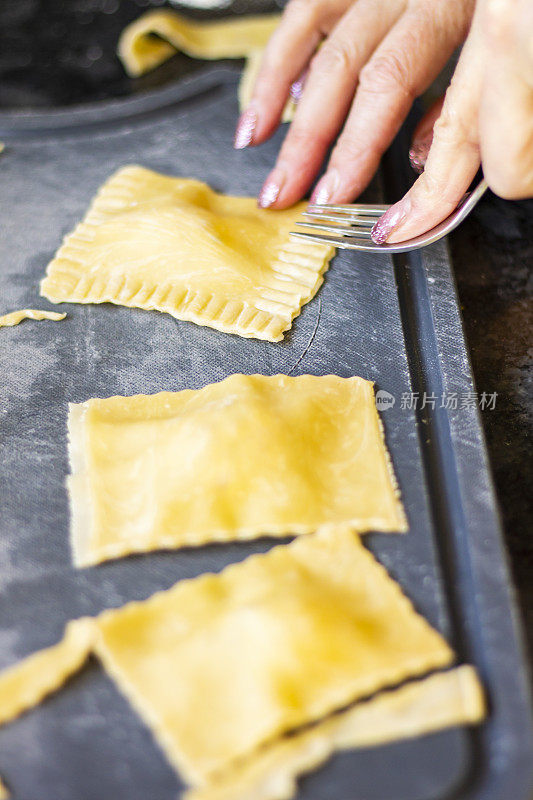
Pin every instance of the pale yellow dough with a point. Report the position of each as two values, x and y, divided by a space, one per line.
222 665
233 37
173 244
14 317
27 683
249 456
440 701
236 37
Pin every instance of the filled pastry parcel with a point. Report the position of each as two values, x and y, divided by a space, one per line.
223 667
250 456
174 245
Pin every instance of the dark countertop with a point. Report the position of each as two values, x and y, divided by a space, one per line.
493 258
54 54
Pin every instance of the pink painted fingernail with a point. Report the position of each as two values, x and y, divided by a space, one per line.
418 154
297 87
326 187
245 130
271 189
390 220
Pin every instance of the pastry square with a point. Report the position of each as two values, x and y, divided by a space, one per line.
174 245
221 665
264 647
252 455
442 700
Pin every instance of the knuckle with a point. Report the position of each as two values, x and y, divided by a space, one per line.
387 73
434 189
452 129
302 140
454 14
335 57
350 150
423 11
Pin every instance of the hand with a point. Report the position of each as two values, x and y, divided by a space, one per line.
376 57
487 117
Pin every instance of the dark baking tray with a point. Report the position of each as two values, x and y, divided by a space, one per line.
392 320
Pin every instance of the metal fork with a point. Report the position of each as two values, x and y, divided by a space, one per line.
353 224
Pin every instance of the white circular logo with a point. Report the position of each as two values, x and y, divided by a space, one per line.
384 400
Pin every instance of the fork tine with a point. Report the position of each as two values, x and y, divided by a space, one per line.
339 241
346 218
367 210
352 238
352 233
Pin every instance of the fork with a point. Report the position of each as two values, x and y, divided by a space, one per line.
353 225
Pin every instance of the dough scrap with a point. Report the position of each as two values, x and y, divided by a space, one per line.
221 664
14 317
440 701
173 244
252 455
235 37
27 683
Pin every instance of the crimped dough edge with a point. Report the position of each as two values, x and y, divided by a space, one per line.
297 275
416 667
78 483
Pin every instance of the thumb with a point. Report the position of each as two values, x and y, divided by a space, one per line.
506 112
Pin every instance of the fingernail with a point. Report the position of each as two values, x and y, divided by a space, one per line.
326 187
390 220
297 87
271 189
244 132
418 154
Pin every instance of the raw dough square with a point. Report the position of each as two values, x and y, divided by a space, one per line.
222 663
442 700
249 456
173 244
230 671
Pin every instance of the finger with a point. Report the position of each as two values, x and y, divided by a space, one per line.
402 67
328 93
506 112
453 158
423 136
302 27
